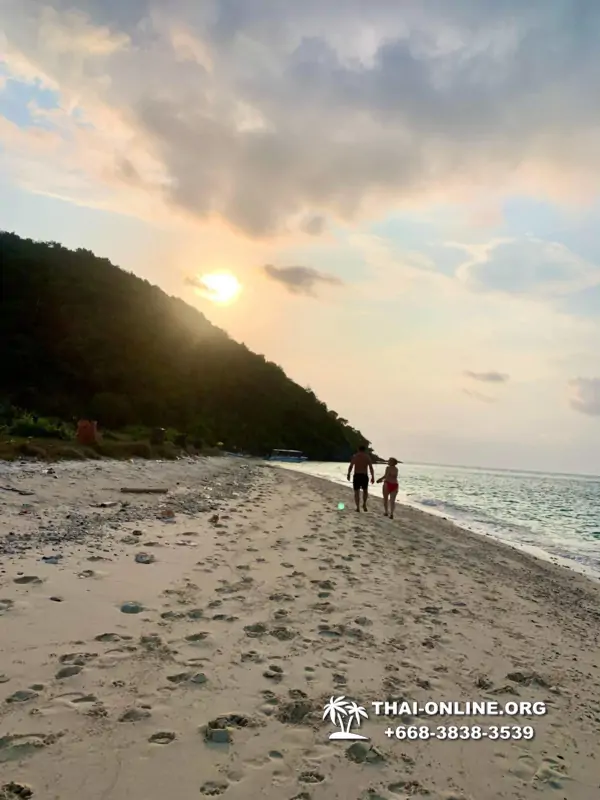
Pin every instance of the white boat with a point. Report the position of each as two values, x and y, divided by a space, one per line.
295 456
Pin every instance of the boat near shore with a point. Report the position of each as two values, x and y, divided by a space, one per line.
290 456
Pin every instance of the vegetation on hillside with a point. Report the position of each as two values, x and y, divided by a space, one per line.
82 338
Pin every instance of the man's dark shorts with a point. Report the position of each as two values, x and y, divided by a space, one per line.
360 481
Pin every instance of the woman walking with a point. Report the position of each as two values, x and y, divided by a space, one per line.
390 487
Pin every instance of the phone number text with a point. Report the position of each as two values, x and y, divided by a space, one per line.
464 732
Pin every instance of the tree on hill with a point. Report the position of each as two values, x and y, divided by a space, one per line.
80 337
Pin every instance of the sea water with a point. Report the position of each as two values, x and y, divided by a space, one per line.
556 517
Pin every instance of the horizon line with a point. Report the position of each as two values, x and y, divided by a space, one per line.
504 469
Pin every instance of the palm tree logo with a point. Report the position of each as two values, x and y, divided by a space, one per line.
336 709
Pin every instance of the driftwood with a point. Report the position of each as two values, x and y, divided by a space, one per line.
22 492
144 491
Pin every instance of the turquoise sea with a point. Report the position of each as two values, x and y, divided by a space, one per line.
555 517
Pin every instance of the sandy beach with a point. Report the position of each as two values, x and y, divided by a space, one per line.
185 644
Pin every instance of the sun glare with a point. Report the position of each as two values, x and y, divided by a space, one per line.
220 287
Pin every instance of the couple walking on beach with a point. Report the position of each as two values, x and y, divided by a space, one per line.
362 465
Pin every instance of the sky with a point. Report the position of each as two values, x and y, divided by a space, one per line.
407 190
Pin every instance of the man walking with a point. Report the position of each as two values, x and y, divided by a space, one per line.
362 465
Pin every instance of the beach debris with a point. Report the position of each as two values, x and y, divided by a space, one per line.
144 558
51 559
132 607
56 599
360 752
528 679
129 539
214 519
133 490
14 791
106 504
219 730
22 492
5 605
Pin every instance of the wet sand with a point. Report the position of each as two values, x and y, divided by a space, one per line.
186 644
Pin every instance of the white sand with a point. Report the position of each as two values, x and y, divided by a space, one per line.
415 609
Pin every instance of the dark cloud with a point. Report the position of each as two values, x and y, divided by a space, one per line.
300 280
300 112
585 396
488 377
483 398
314 226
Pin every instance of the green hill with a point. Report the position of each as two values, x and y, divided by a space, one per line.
80 337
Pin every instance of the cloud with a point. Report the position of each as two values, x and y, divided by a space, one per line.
261 113
585 396
527 267
314 226
484 398
300 280
488 377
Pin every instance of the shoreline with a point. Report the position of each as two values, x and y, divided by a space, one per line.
188 643
539 553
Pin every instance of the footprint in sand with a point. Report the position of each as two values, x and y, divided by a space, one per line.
310 776
255 630
252 655
22 696
111 637
162 737
75 699
196 678
213 788
17 746
5 605
274 673
197 638
135 715
68 672
77 659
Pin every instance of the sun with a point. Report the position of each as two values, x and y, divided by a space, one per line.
220 287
